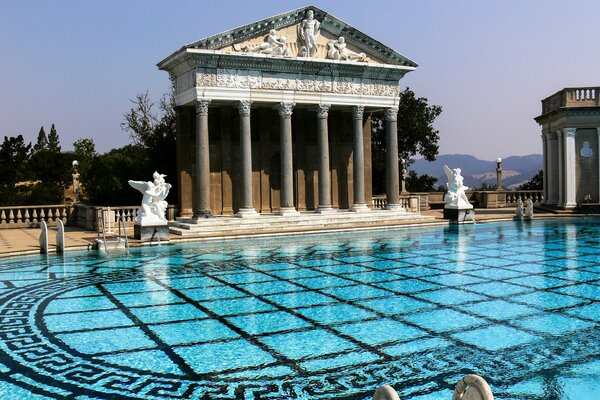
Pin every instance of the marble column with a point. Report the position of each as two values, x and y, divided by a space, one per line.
184 118
324 168
202 161
561 174
358 160
392 177
569 172
287 166
246 207
598 156
552 165
545 166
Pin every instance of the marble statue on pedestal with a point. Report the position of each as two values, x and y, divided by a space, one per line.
153 208
456 197
339 51
457 208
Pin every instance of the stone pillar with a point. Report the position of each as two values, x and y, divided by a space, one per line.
287 166
545 166
391 160
202 161
324 171
598 156
246 207
552 166
184 161
358 160
569 172
561 175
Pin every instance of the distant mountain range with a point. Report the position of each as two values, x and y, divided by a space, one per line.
515 169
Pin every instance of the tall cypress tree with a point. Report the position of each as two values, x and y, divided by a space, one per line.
42 141
53 140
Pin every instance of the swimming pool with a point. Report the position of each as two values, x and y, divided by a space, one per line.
319 317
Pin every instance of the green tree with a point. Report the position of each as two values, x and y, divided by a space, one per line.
14 154
41 142
420 183
416 134
535 183
53 140
84 149
154 133
105 181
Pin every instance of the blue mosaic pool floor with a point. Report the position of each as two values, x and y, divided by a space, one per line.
314 318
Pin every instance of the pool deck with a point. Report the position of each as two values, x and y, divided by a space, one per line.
22 241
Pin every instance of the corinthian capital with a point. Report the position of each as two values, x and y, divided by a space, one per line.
323 110
202 107
357 112
391 114
244 108
285 110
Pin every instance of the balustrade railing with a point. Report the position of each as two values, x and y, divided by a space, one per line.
31 216
537 196
409 203
572 97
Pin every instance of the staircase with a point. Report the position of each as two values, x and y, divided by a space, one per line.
306 222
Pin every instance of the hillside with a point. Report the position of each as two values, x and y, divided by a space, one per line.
515 169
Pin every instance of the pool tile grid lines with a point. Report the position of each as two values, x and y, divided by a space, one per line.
343 293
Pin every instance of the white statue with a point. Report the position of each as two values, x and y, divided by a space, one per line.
310 29
456 197
153 208
519 209
273 44
338 50
529 209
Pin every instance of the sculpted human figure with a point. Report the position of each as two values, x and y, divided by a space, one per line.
529 209
273 44
338 50
154 206
456 196
309 31
519 209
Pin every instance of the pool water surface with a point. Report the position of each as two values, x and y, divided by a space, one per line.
332 316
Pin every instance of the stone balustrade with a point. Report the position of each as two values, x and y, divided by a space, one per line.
572 97
31 216
409 203
537 196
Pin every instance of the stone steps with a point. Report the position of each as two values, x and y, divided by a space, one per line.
306 221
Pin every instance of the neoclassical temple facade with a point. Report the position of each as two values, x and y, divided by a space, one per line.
275 116
570 123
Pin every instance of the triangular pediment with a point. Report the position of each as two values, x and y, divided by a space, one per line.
286 35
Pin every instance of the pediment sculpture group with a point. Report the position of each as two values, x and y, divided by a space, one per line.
308 32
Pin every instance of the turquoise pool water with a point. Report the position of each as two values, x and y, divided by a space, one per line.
311 318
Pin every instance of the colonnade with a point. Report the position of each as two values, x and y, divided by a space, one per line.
559 166
285 109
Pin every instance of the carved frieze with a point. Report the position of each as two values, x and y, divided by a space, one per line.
249 79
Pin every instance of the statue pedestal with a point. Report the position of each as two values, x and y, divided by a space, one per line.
151 233
459 215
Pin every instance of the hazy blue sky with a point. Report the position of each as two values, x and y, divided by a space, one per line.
488 63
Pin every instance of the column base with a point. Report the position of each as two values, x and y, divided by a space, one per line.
570 205
360 207
288 211
246 213
201 215
186 212
325 210
394 207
